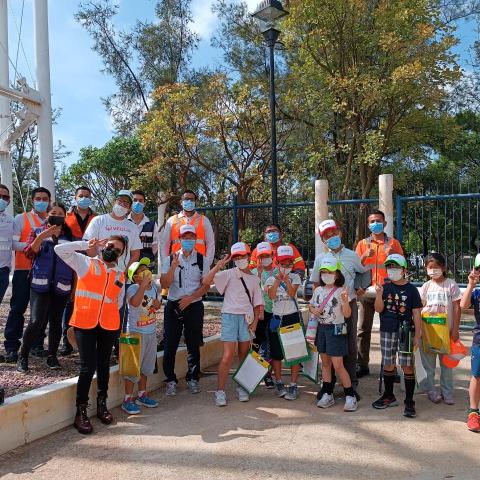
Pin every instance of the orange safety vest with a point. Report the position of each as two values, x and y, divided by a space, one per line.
197 220
72 222
96 298
30 222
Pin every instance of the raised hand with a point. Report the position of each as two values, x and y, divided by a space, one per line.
379 289
223 262
473 277
93 242
344 296
175 260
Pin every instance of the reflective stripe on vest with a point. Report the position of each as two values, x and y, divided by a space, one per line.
29 223
198 223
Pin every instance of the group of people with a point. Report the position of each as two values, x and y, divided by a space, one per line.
89 277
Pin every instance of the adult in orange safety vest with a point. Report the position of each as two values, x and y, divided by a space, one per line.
96 319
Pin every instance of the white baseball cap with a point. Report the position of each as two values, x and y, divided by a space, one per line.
187 229
264 248
327 225
239 248
284 252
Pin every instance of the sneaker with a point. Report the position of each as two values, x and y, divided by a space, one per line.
171 388
326 401
11 357
130 407
363 372
473 422
280 389
351 404
194 386
292 393
39 352
385 402
242 394
269 383
22 365
53 363
66 351
434 396
448 398
220 398
409 410
146 401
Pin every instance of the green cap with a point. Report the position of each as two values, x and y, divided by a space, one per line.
134 266
330 263
396 259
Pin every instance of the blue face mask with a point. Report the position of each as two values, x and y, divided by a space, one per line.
273 237
334 242
137 207
187 245
40 206
3 204
376 227
84 202
188 205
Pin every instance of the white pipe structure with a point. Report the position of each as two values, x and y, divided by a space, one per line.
385 200
5 117
321 211
42 64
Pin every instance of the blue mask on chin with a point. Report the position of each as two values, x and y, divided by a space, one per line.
376 227
334 242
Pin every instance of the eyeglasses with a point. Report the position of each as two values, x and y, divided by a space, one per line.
5 197
123 203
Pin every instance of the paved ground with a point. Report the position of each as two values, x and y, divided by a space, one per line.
189 438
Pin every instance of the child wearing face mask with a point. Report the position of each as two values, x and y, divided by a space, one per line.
440 295
282 291
399 305
143 303
330 304
241 311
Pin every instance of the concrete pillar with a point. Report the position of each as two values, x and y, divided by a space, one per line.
5 119
321 210
42 68
385 200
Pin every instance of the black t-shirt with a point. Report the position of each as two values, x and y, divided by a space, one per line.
399 301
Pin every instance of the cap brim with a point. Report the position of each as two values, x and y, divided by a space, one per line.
327 230
393 262
330 269
238 254
284 257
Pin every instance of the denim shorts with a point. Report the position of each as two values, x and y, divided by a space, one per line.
234 328
475 353
332 345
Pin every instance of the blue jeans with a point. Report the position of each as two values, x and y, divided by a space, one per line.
18 306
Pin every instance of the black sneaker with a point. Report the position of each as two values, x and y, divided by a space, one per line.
22 365
2 358
362 372
39 353
53 363
269 383
66 351
409 410
11 357
385 402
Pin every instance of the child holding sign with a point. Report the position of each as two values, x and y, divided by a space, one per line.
330 305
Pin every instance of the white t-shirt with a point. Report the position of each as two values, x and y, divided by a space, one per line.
104 226
283 303
332 311
439 297
235 298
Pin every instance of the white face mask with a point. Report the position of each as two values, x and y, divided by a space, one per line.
241 264
286 270
394 274
328 278
119 211
266 262
434 272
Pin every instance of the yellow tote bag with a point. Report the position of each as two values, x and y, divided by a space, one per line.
130 353
435 333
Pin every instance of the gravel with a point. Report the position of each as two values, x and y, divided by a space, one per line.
14 382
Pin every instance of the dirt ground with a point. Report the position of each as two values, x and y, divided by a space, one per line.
187 437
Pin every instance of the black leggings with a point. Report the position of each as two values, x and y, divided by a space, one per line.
95 348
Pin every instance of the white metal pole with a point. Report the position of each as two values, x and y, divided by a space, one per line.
5 117
321 211
42 59
385 200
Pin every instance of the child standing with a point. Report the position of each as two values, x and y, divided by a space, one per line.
143 303
471 298
241 311
264 270
399 305
331 306
440 295
282 290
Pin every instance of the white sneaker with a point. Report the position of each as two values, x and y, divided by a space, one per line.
326 401
351 404
243 395
171 389
220 398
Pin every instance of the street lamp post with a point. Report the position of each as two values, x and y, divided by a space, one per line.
268 13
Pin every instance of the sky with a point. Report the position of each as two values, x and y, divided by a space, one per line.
76 78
